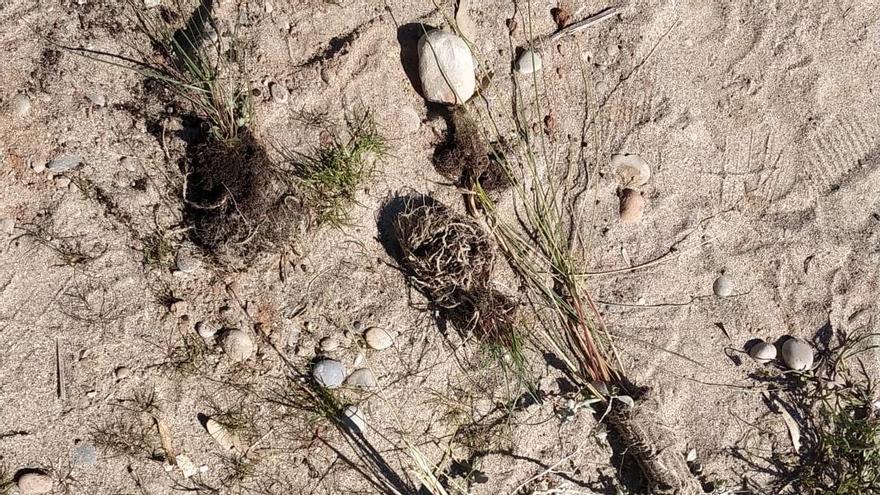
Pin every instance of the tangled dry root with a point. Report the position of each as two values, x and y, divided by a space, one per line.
446 254
237 203
450 259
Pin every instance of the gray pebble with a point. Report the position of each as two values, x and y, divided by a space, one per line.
763 352
97 99
355 418
279 92
20 105
723 286
329 373
85 454
237 345
797 354
529 62
185 260
127 163
358 326
64 163
362 378
205 330
33 483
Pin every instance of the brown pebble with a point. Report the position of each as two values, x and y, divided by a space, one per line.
632 204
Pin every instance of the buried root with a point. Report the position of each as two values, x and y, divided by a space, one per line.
237 202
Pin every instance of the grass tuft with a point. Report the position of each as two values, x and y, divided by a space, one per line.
330 175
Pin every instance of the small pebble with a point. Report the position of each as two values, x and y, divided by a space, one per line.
7 225
64 163
632 205
97 99
355 418
362 378
329 373
205 330
797 354
62 182
329 344
237 345
122 373
763 352
529 62
279 92
179 308
186 262
378 338
85 454
152 3
20 105
33 483
358 326
127 163
723 286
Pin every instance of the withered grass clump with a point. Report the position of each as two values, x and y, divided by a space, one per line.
237 201
467 158
449 258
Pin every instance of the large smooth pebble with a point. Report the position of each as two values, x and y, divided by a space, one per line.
33 483
329 373
237 345
446 68
279 92
631 170
186 262
529 62
355 418
723 286
362 378
797 354
763 352
632 205
20 105
378 339
64 163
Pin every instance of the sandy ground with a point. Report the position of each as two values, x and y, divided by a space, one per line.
760 121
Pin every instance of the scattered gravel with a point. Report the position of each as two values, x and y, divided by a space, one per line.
329 373
378 338
237 345
362 378
763 352
34 482
446 68
797 354
723 286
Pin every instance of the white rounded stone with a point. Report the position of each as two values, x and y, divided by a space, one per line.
237 345
631 170
529 62
34 483
362 378
378 338
20 105
446 68
355 418
797 354
329 373
723 286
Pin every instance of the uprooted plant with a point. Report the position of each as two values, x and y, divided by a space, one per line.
235 200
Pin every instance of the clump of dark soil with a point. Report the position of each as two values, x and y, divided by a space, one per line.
236 201
467 159
449 258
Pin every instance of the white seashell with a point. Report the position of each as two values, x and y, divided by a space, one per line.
224 438
763 352
632 170
446 68
797 354
378 338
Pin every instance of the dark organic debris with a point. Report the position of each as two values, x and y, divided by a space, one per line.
467 159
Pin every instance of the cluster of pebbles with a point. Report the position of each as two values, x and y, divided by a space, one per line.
331 373
796 353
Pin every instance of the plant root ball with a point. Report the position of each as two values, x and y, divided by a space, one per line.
489 314
466 158
445 254
236 201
